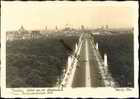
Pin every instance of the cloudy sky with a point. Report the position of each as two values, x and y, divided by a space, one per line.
37 15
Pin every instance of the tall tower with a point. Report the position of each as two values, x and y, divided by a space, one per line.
67 27
82 27
106 27
46 28
56 28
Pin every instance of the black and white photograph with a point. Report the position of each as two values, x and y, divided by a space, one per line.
76 45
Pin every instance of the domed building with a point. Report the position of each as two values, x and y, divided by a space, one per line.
23 33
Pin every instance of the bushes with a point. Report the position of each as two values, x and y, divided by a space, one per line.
119 49
36 63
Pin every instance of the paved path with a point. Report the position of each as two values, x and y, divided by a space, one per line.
87 73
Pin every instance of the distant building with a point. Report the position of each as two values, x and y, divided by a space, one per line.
106 27
21 29
22 34
36 34
82 27
67 27
56 28
11 35
46 28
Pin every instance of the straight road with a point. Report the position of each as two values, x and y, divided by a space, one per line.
87 73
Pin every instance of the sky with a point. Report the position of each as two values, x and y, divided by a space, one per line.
37 15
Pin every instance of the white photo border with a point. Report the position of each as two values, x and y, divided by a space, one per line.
69 92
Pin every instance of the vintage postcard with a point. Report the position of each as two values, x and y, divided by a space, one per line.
69 49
